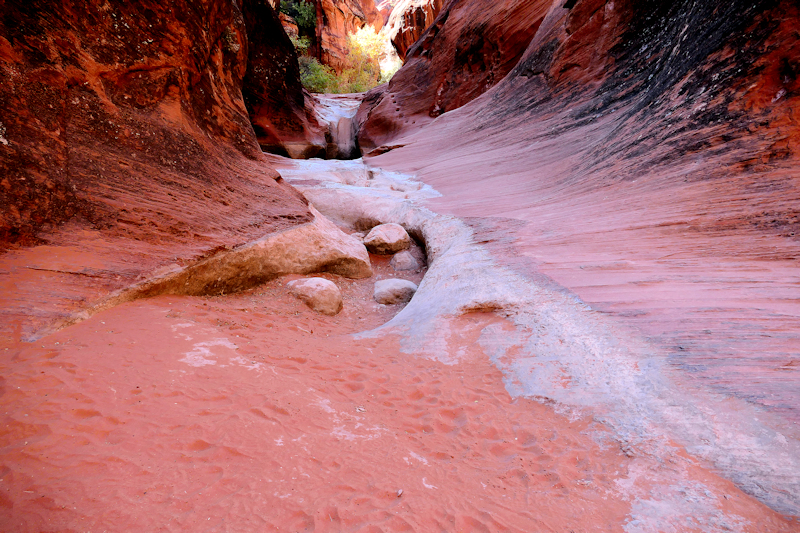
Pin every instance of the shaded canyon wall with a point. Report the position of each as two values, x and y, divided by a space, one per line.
126 146
469 48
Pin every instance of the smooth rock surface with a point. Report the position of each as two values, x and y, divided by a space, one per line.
319 294
469 48
405 260
387 239
394 291
318 246
649 167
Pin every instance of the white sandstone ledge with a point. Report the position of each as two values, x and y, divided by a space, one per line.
562 351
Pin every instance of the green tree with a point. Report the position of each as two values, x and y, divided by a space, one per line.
304 14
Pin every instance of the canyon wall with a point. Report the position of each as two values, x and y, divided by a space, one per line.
408 19
643 156
125 144
469 48
280 112
336 19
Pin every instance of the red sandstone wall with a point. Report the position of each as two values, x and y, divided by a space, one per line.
470 47
336 19
125 147
125 115
409 19
649 153
281 117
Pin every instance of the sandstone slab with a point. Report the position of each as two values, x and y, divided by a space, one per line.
394 291
387 239
319 294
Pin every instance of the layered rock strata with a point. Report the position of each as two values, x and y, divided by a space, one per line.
644 156
126 147
468 49
408 20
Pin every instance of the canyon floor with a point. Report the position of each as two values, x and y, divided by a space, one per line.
250 412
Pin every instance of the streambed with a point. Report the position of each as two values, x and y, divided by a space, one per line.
560 351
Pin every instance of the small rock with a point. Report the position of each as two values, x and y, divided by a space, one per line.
359 235
387 239
394 291
319 294
404 260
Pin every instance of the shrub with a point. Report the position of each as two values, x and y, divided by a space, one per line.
361 73
301 44
304 14
316 77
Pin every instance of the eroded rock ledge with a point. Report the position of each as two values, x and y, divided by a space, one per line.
318 246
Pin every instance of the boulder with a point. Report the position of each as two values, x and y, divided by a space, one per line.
387 239
394 291
319 294
405 260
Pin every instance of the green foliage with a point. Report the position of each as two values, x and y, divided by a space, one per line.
301 44
316 77
304 14
361 72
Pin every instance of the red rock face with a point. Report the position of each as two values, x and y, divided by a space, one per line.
409 19
125 145
469 48
272 92
289 25
336 19
648 151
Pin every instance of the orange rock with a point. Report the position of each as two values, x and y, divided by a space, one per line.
408 20
476 44
336 19
125 145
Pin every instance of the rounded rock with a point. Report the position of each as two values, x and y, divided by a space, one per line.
387 239
394 291
404 260
319 294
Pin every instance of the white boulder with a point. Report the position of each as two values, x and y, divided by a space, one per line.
404 260
394 291
387 239
319 294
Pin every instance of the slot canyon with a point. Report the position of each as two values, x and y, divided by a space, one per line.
544 279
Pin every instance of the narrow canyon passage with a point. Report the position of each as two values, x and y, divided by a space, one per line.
542 278
252 412
495 400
